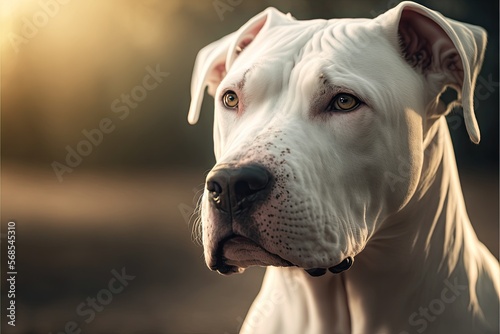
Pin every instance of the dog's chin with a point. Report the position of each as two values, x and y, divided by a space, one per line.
238 253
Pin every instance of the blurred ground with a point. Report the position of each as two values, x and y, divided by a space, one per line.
77 231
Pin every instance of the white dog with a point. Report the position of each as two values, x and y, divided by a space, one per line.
331 146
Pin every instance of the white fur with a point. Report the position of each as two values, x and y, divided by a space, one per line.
378 184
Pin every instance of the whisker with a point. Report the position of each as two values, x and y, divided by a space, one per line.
195 219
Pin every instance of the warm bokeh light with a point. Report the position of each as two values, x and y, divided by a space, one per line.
63 64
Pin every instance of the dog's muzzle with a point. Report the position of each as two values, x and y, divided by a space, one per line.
234 191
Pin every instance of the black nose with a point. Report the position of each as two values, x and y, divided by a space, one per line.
235 189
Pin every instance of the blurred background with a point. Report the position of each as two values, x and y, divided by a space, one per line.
74 78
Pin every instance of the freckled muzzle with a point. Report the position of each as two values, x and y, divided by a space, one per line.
233 192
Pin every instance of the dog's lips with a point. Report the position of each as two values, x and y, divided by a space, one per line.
242 253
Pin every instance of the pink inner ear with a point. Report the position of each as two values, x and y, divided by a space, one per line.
249 36
243 44
426 45
245 38
218 73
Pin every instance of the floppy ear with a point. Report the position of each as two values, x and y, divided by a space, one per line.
447 52
215 60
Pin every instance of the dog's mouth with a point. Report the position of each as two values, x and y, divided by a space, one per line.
236 253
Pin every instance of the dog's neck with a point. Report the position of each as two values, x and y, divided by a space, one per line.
429 243
430 233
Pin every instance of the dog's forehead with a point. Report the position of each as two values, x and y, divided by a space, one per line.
304 53
317 43
299 39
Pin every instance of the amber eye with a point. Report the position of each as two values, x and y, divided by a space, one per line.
344 102
230 99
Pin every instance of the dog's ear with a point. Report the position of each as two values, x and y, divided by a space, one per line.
215 60
447 52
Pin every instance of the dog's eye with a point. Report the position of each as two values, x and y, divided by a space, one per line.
230 99
343 102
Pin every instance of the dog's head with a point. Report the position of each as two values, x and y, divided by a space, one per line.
313 120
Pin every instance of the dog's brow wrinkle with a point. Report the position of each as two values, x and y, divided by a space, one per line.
241 84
